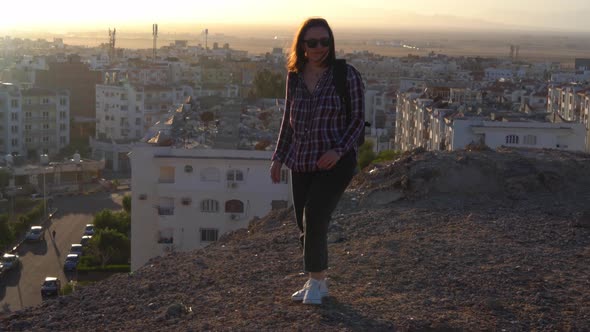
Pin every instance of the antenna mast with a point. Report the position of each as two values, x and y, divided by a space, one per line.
206 34
155 34
112 40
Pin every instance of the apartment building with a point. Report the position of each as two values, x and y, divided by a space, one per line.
522 134
34 121
46 121
571 102
11 120
434 124
185 199
75 76
120 112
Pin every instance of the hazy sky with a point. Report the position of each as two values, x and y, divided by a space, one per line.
64 15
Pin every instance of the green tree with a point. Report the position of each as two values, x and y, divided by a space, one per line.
386 155
6 233
366 154
119 221
269 85
127 203
111 247
207 117
4 178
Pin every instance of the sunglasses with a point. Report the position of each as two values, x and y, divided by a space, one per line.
313 43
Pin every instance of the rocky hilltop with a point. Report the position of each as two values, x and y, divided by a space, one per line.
468 240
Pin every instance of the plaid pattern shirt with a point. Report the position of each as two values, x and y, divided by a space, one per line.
315 122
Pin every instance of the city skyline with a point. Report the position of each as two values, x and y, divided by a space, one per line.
60 16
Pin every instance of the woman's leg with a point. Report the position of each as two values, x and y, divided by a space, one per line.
324 192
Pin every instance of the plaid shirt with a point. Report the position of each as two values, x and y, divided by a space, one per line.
314 123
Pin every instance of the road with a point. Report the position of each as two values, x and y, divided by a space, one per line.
22 288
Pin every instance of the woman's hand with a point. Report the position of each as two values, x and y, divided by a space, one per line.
275 171
328 160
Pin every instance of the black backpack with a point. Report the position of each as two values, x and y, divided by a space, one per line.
341 84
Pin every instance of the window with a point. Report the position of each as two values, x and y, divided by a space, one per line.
45 139
14 129
512 139
14 103
278 204
209 205
234 206
45 114
166 174
28 114
14 116
166 235
62 140
28 127
123 96
284 176
210 174
45 126
235 175
45 100
14 142
188 168
62 126
530 140
137 121
63 101
209 234
28 140
165 206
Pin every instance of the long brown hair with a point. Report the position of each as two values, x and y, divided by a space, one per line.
297 59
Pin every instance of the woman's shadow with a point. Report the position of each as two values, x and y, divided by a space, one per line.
334 313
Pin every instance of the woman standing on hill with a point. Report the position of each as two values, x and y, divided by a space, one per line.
317 141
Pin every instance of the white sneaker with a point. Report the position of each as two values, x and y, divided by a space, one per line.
313 294
300 294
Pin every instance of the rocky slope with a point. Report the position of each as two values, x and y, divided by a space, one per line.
469 240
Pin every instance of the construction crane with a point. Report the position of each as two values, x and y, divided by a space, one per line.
155 34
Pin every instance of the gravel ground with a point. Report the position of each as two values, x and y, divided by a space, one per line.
470 240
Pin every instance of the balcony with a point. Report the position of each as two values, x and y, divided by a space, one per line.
165 210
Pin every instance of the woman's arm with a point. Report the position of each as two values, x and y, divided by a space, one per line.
286 132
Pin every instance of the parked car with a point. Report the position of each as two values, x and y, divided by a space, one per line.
71 262
35 234
85 240
89 229
76 249
50 287
10 262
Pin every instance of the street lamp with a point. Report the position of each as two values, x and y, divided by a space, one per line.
45 191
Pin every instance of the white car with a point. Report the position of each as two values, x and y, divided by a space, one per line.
10 262
35 234
51 287
89 229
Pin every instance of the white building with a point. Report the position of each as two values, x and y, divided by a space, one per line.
33 121
184 199
10 119
539 135
494 74
120 112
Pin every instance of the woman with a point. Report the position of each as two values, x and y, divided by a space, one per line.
317 141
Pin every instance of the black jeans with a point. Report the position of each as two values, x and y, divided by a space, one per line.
315 196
